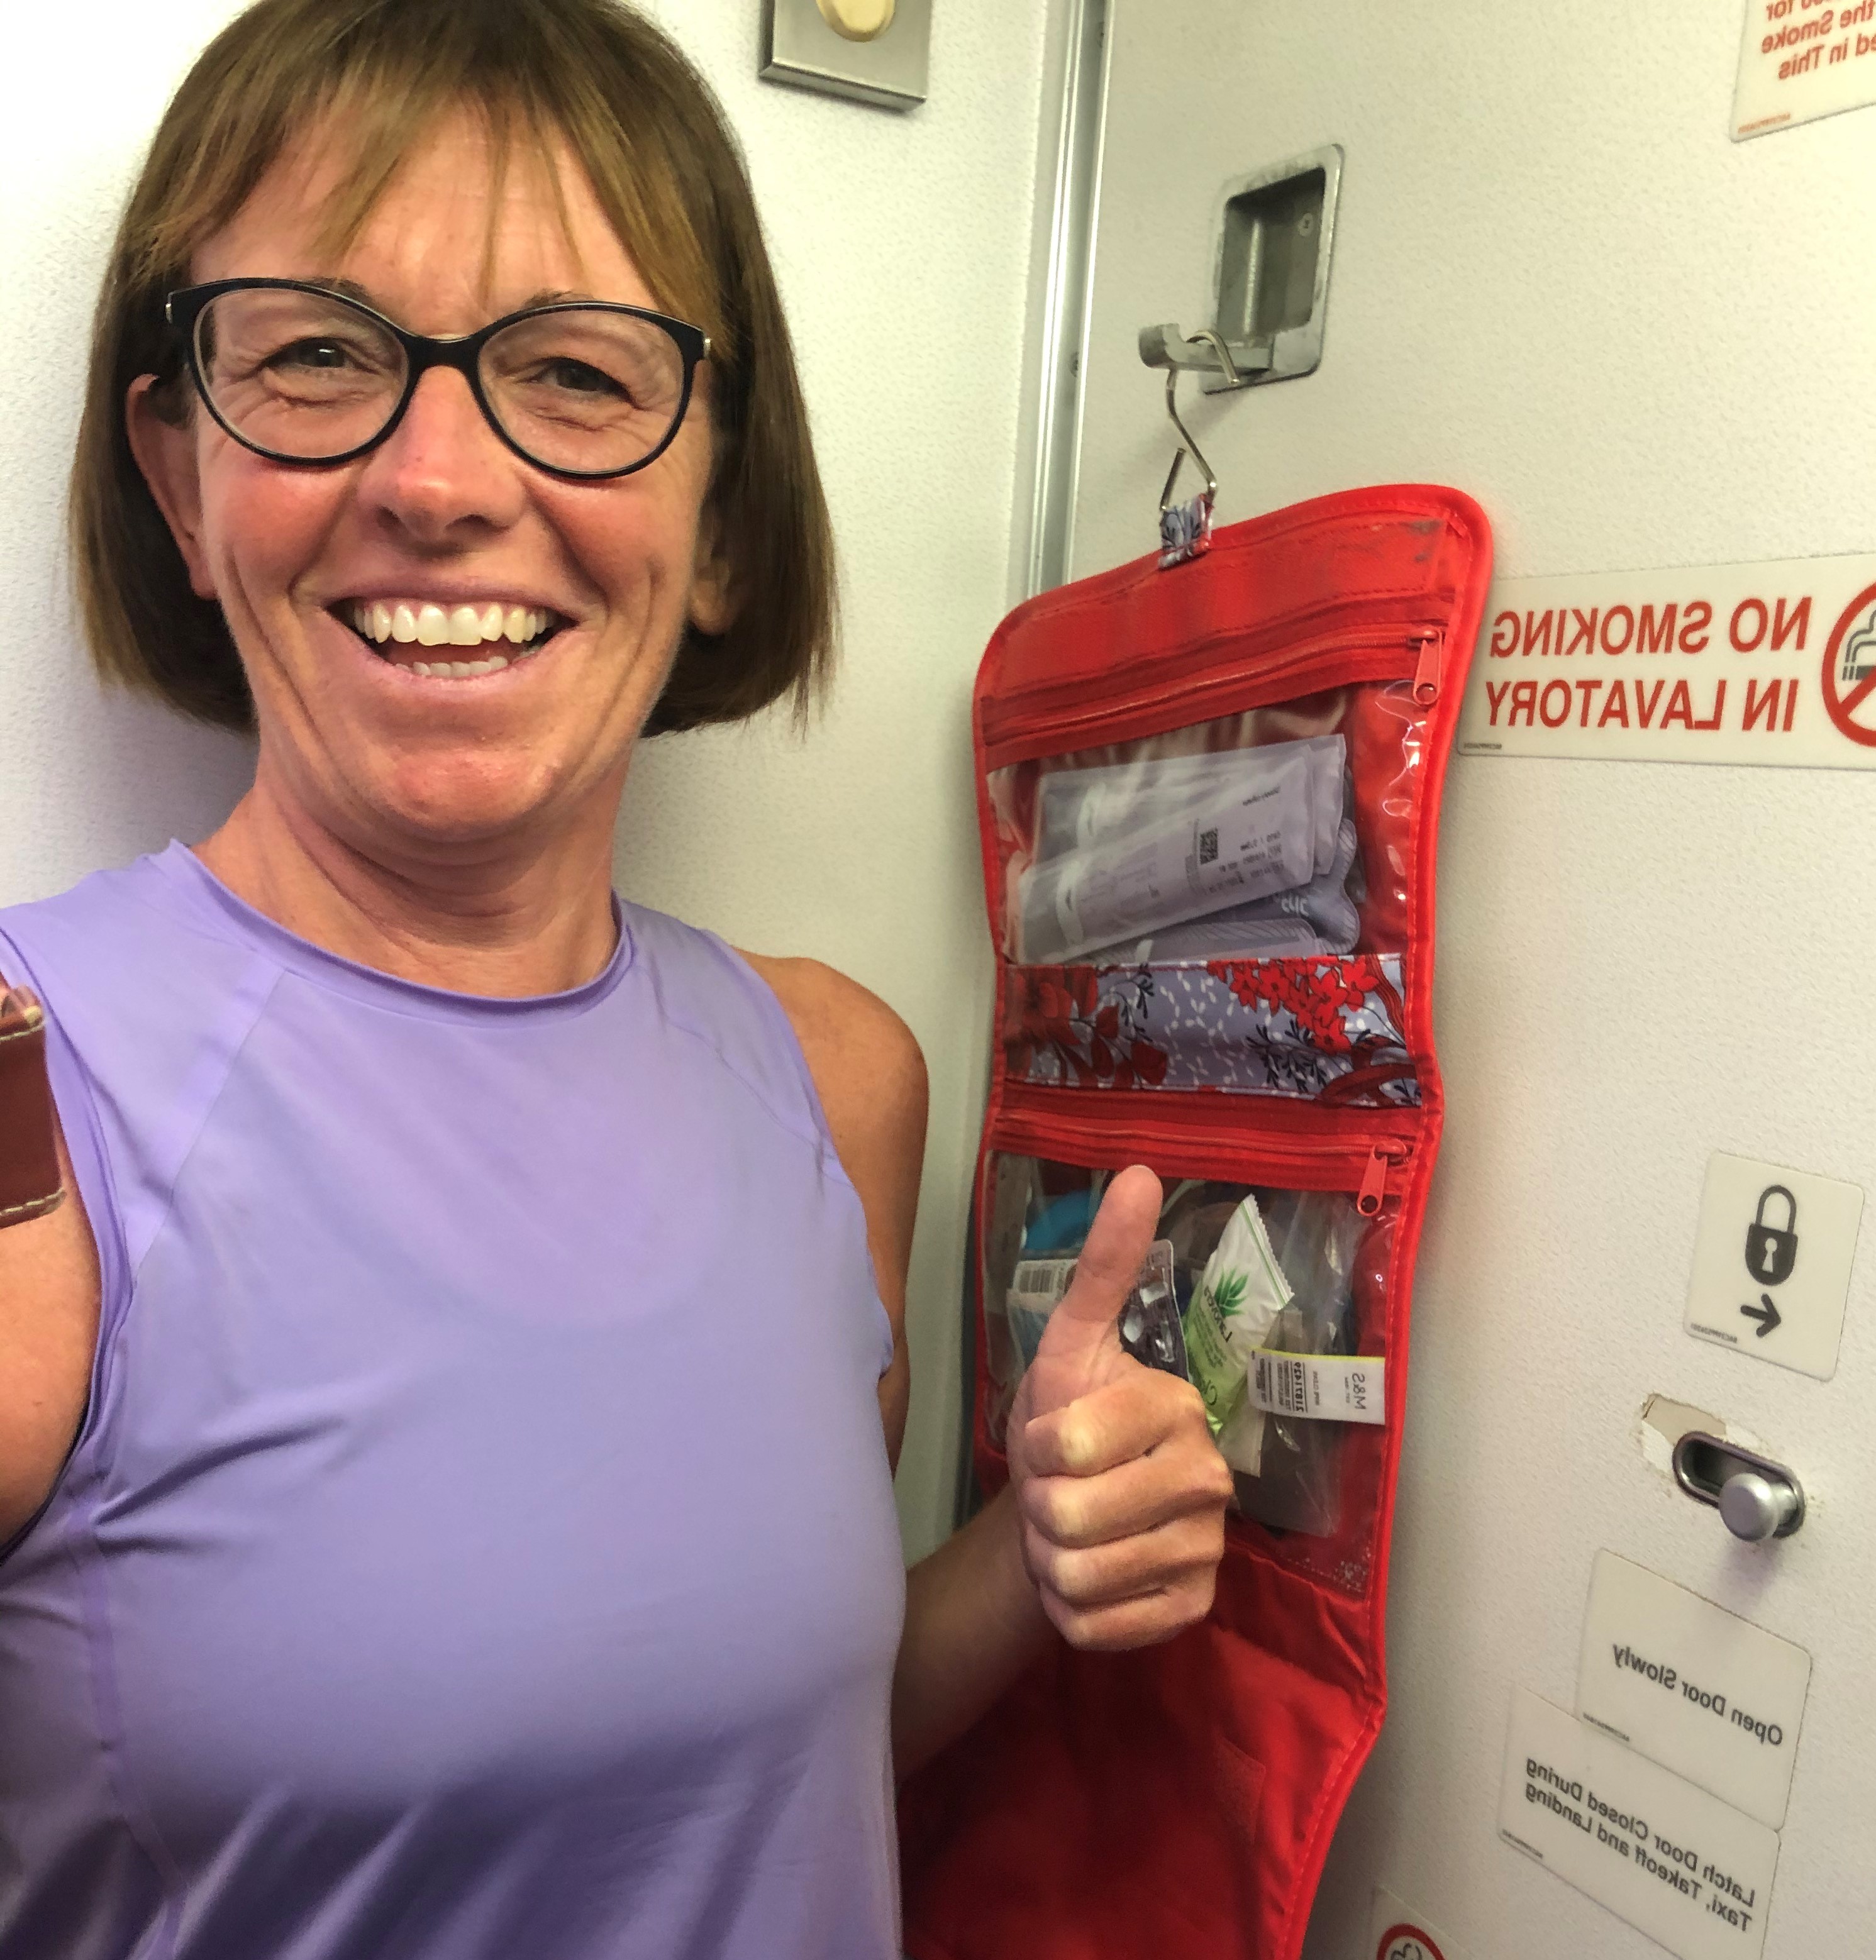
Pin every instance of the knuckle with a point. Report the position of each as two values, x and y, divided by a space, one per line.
1204 1478
1072 1576
1077 1578
1077 1441
1040 1554
1071 1623
1191 1406
1201 1539
1065 1515
1196 1596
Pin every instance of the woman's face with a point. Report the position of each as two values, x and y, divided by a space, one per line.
440 513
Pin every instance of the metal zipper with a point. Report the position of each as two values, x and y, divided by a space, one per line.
1426 672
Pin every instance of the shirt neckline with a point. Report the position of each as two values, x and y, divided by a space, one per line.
206 895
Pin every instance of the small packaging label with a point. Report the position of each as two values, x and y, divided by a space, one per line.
1320 1388
1041 1282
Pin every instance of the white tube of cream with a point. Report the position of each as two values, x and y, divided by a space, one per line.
1078 808
1223 841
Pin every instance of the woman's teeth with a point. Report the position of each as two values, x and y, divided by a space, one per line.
410 623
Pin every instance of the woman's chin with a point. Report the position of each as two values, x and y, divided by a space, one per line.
469 800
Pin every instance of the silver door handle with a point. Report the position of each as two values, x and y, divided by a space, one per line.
1757 1498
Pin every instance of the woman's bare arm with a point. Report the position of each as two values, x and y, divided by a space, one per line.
49 1307
870 1078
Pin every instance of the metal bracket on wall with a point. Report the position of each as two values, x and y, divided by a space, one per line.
1276 229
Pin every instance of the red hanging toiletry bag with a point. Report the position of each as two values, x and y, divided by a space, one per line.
1209 798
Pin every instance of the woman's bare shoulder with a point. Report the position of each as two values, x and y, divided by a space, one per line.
866 1063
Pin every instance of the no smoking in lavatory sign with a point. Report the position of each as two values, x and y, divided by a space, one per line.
1772 1260
1772 663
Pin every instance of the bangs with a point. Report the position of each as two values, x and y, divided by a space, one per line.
385 93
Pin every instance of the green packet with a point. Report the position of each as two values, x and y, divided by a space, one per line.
1241 1291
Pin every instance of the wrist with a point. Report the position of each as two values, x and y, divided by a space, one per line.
1016 1585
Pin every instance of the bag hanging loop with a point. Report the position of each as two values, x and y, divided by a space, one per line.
1186 529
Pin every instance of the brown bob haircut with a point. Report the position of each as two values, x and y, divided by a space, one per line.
667 173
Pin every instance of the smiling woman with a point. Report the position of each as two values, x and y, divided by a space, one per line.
462 1269
589 106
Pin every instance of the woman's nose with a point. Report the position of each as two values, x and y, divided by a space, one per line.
442 468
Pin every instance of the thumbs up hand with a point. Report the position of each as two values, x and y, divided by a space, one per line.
1121 1489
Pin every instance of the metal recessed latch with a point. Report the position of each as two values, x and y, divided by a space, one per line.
1758 1499
1271 278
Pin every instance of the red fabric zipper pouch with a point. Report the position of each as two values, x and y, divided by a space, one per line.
1209 797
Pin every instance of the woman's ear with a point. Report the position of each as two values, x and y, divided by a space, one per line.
165 450
712 599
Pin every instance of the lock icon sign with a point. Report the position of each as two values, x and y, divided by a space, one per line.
1772 1250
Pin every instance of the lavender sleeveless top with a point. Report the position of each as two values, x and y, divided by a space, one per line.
480 1543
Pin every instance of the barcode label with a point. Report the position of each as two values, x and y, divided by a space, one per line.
1282 1387
1208 846
1042 1279
1319 1387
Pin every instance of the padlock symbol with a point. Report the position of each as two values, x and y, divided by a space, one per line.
1772 1250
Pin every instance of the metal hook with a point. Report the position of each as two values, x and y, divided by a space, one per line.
1206 352
1187 446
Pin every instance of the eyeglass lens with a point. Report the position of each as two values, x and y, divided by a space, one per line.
307 375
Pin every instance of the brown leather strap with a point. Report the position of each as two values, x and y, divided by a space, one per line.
29 1159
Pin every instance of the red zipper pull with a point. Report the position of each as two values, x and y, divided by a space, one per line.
1426 674
1373 1190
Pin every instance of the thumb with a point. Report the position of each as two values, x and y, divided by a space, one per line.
1080 1342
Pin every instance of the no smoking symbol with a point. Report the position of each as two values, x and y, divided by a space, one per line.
1406 1943
1849 675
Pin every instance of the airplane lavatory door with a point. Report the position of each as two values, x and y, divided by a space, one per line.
1608 270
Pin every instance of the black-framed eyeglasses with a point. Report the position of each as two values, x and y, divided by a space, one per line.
300 374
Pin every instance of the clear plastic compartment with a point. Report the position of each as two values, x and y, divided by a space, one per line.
1311 1485
1224 906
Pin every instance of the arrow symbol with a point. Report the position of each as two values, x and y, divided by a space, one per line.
1768 1316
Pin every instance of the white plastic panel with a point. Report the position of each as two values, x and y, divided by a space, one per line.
1559 286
